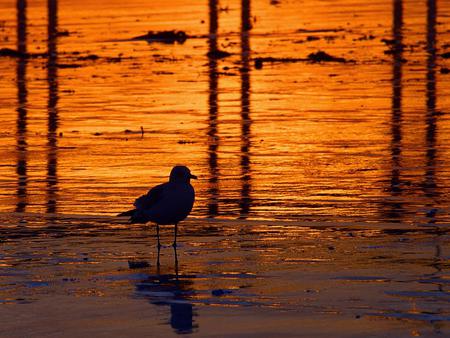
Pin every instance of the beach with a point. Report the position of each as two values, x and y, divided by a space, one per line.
226 279
320 136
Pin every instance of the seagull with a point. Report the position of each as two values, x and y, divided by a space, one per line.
166 204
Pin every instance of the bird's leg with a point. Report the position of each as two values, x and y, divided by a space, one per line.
175 238
157 259
176 262
157 235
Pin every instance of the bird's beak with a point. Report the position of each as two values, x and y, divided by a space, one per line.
193 176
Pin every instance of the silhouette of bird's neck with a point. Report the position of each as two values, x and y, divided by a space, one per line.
179 180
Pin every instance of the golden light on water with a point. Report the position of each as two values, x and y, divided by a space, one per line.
323 177
312 122
316 135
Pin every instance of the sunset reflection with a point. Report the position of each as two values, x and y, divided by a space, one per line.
245 200
52 78
396 142
213 137
21 167
319 134
293 140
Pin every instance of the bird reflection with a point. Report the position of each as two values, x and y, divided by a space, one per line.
245 200
52 80
213 140
174 291
21 168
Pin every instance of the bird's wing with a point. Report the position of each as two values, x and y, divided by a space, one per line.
127 213
151 198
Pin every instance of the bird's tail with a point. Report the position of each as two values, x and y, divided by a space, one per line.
128 213
137 217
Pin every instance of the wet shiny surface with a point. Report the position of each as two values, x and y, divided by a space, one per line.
323 199
286 278
362 140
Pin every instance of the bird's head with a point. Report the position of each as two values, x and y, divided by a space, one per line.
181 173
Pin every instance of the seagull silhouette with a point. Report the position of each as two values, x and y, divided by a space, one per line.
167 203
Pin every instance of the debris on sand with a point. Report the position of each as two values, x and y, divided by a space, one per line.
319 56
12 53
220 292
95 57
445 71
90 57
309 38
138 264
446 55
324 57
365 37
260 61
326 30
8 52
140 131
394 45
218 54
432 212
312 38
163 36
114 59
63 33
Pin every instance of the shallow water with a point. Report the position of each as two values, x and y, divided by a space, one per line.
324 187
367 139
265 278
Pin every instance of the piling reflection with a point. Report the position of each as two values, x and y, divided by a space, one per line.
395 208
429 185
171 290
245 200
52 80
283 100
213 138
22 93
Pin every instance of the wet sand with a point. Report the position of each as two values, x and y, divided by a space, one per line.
307 141
227 278
320 134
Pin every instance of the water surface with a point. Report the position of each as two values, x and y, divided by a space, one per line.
266 278
366 139
323 199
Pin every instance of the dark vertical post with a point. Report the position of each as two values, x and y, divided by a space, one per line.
213 140
52 123
246 121
431 116
22 93
22 26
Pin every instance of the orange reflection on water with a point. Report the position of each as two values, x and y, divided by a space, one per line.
364 139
